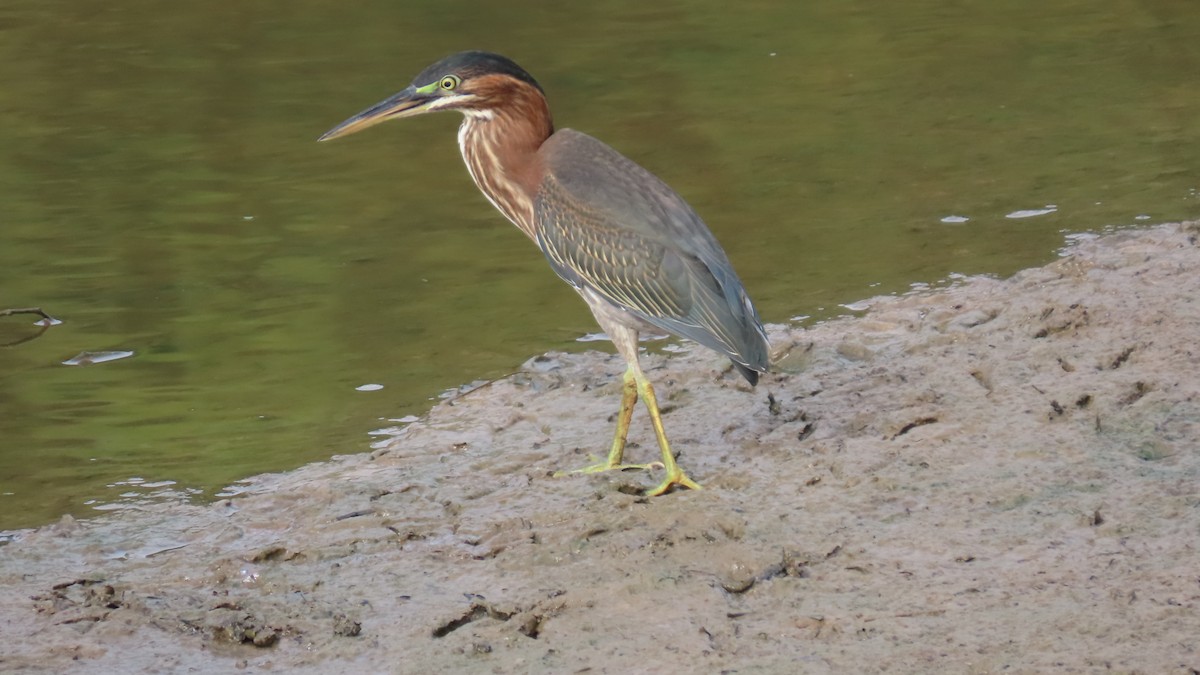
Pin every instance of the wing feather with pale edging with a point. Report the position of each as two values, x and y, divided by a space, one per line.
607 224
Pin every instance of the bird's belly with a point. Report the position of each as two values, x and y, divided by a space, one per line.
609 315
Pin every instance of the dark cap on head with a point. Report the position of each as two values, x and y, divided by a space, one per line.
473 64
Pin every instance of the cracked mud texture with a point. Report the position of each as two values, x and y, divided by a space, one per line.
1001 476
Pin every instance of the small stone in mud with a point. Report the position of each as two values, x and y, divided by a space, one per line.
344 626
242 628
738 577
532 627
264 639
101 596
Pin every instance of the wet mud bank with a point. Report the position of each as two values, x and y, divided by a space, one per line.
1001 476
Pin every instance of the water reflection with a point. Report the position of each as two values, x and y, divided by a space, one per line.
43 324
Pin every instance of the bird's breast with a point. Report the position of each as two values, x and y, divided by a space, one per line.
500 167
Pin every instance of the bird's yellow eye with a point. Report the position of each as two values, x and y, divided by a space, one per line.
449 82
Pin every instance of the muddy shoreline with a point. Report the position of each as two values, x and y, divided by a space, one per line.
1001 476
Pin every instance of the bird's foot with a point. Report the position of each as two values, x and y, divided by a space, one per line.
673 478
601 467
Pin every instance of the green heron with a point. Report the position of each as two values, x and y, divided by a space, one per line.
625 241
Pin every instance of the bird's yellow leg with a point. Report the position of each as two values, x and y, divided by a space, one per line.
675 475
629 397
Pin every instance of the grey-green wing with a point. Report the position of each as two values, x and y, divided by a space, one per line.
607 224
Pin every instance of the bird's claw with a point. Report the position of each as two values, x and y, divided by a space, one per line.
679 478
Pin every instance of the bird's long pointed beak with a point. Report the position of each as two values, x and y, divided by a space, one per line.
410 102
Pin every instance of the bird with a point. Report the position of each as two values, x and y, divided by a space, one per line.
637 253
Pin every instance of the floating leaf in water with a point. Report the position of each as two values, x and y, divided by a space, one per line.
89 358
1030 213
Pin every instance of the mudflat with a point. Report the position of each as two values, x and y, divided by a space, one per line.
1002 476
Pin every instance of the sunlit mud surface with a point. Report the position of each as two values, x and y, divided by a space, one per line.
1000 476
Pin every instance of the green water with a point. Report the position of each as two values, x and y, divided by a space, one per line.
162 193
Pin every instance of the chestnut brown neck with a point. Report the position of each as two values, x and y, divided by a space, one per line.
500 147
